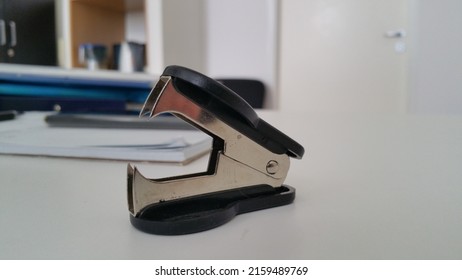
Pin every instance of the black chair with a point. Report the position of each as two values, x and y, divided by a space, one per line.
252 91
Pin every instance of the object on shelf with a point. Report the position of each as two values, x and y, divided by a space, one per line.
94 56
129 57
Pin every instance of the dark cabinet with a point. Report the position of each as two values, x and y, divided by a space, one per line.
27 32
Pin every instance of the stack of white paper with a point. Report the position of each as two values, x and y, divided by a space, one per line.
29 135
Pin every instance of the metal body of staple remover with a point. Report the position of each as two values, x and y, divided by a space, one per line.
248 164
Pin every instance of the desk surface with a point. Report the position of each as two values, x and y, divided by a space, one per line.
369 187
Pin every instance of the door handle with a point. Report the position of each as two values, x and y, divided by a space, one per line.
2 33
13 41
400 33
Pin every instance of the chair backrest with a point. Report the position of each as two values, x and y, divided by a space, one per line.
252 91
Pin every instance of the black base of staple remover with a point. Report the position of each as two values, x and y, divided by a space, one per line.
249 160
205 212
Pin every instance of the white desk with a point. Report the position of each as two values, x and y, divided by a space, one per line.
369 187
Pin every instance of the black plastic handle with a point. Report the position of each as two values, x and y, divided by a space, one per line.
200 213
228 106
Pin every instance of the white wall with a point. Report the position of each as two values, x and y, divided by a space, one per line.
184 33
135 28
175 30
221 38
242 41
436 57
135 21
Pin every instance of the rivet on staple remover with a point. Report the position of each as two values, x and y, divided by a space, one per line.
248 163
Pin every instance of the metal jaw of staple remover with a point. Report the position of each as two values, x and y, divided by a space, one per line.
248 163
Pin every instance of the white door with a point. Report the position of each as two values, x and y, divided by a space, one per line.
343 55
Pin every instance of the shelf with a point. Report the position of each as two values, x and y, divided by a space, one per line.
103 22
172 31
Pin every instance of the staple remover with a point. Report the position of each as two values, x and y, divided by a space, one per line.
248 163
